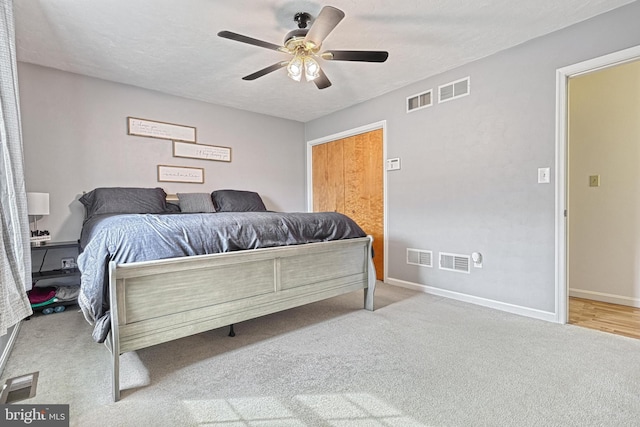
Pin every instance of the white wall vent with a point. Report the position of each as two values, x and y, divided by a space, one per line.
421 100
455 262
419 257
454 90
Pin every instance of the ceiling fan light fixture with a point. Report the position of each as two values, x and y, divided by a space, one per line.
294 69
311 68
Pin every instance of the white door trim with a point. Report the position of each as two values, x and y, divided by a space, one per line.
345 134
562 77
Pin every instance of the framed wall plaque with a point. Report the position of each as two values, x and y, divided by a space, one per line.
201 151
192 175
161 130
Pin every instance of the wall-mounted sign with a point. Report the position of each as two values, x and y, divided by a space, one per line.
201 151
161 130
168 173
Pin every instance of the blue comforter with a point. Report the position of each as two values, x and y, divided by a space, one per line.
144 237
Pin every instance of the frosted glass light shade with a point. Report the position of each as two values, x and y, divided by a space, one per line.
38 203
311 69
294 69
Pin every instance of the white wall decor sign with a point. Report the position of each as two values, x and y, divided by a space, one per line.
201 151
161 130
168 173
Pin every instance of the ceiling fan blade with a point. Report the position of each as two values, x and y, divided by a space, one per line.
269 69
322 81
355 55
250 40
326 21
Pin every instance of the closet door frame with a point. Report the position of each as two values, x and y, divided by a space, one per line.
346 134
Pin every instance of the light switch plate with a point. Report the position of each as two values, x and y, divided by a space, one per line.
543 175
393 164
594 181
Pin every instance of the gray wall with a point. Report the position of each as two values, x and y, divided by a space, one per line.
75 139
469 167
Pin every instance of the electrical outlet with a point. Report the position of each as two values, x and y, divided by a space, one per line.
68 263
476 257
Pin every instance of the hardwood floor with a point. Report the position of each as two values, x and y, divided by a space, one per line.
613 318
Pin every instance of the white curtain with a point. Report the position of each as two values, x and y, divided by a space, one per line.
15 255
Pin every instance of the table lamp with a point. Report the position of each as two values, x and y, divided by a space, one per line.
38 205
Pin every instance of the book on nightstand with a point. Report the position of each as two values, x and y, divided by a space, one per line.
39 239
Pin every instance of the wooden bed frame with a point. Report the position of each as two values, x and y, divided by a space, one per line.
158 301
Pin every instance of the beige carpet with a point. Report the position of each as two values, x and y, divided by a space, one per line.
417 360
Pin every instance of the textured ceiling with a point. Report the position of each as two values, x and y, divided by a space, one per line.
171 46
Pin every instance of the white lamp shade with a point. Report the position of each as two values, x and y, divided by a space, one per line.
38 203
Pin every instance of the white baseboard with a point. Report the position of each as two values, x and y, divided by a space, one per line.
604 297
502 306
6 344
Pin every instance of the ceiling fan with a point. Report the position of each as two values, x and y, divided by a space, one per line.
304 44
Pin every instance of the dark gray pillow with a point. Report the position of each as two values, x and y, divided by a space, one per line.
237 201
173 208
196 202
122 200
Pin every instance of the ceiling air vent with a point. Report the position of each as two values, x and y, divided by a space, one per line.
420 257
453 90
421 100
455 262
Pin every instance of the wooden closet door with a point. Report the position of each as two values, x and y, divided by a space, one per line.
364 201
328 174
348 178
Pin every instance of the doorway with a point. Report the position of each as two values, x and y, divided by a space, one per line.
604 198
346 174
596 173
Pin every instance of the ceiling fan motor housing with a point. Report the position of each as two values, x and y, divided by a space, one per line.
294 38
298 33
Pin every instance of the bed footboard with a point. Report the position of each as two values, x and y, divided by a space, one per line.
158 301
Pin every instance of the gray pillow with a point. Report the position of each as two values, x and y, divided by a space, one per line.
237 201
123 200
196 202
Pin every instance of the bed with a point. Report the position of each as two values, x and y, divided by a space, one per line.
152 273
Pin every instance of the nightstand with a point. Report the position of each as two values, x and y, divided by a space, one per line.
58 252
